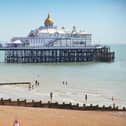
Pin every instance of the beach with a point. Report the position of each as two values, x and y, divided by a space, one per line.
28 116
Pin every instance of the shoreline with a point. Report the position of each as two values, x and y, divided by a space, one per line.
59 117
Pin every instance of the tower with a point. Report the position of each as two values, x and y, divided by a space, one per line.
49 21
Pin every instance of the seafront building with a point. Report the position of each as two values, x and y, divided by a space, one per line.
49 43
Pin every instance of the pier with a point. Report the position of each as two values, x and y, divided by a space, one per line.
48 44
58 54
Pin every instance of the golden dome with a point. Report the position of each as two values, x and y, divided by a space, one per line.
48 21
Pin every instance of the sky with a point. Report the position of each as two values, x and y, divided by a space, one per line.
104 19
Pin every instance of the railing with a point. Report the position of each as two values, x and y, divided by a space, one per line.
49 47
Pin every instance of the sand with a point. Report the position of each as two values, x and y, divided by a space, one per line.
58 117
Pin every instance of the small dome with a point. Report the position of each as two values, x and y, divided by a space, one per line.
48 21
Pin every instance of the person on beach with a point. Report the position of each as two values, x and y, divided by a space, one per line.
113 100
51 96
63 82
85 97
66 83
33 86
36 82
16 123
29 86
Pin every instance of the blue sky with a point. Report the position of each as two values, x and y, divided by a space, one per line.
105 19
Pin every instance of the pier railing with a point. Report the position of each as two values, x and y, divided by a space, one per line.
70 106
48 47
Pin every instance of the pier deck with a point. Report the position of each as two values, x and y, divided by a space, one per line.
57 54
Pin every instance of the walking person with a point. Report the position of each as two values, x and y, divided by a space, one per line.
36 82
63 82
113 100
66 83
86 97
33 86
51 96
29 86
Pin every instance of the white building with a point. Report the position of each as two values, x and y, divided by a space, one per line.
51 36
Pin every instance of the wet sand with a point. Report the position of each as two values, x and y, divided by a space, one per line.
57 117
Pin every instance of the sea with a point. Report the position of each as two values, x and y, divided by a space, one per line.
69 82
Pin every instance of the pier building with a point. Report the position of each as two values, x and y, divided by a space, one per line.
49 43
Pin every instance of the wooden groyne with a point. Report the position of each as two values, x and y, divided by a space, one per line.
14 83
56 105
